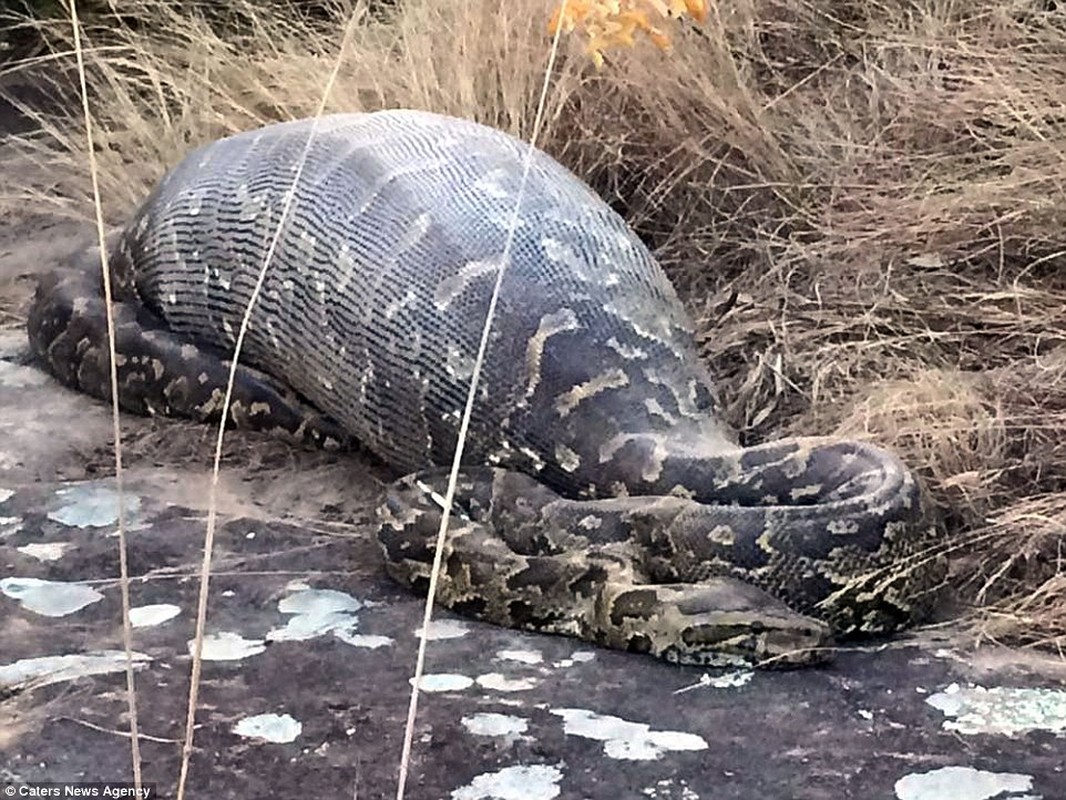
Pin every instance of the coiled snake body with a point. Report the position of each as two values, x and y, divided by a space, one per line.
604 498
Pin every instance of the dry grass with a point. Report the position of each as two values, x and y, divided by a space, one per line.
863 204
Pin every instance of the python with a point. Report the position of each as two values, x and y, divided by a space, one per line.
603 496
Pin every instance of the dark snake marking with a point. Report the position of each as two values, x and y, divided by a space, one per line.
603 497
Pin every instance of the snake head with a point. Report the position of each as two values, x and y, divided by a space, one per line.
762 641
719 622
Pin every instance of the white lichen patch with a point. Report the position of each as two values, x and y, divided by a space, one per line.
521 656
365 640
577 657
964 783
727 680
49 598
318 602
92 505
534 782
1001 710
489 724
152 615
228 646
56 669
670 789
45 551
622 739
6 494
316 612
443 682
501 683
444 629
302 627
275 728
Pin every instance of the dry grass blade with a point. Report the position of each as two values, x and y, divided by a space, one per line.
464 424
212 505
124 575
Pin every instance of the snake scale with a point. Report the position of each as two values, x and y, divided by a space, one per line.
602 495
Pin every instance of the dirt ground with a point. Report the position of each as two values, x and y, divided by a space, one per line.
310 647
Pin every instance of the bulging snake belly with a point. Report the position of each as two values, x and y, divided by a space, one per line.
603 496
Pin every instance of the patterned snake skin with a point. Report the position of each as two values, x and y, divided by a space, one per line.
604 498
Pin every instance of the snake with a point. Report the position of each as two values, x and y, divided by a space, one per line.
601 493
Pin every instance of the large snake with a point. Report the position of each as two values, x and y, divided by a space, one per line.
603 495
